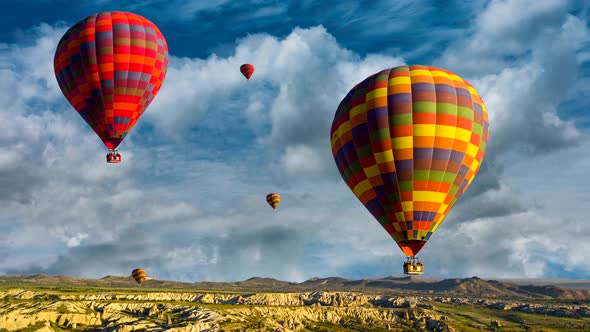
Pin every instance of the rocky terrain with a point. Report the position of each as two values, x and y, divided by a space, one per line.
42 303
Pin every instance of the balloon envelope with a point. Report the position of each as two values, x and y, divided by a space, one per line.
408 141
139 275
273 200
110 66
247 70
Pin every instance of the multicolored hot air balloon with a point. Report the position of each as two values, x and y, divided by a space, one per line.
408 141
139 275
273 200
110 66
247 70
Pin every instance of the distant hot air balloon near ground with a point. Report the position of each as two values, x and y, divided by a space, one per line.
273 200
110 66
247 70
408 141
140 276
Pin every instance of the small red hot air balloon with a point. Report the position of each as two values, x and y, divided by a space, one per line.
247 70
110 66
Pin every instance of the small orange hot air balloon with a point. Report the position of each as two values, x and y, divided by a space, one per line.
247 70
139 275
273 200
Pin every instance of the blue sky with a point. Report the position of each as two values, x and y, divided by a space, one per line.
188 202
199 28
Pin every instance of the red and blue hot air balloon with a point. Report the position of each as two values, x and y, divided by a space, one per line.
110 66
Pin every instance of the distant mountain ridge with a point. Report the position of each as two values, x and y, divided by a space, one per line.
476 287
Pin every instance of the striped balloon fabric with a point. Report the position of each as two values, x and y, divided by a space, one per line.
408 141
139 275
110 66
273 200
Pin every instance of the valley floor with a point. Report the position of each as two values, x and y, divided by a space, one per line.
86 309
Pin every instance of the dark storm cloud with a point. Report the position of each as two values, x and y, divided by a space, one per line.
96 261
239 254
492 203
268 251
525 244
